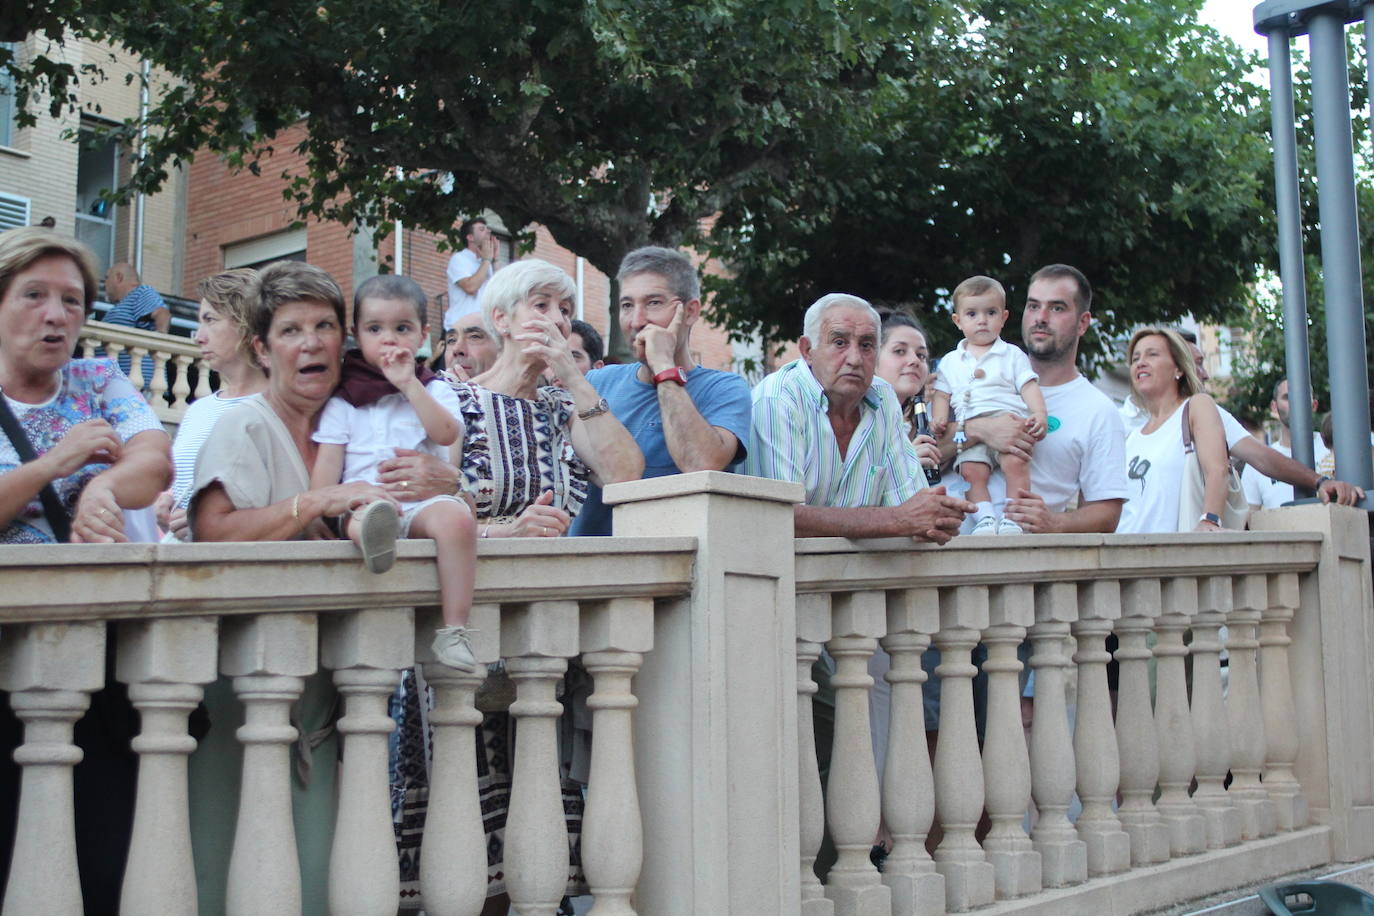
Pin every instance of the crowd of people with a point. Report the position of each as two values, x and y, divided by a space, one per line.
520 422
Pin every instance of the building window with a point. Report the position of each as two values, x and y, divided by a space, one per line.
8 112
14 211
257 253
97 169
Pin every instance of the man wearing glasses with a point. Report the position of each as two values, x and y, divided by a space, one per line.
685 417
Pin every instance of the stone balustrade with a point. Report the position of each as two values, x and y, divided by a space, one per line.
164 352
699 625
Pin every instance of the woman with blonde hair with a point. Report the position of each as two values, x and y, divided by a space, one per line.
1165 384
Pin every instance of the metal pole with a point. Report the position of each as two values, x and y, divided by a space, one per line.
1340 249
1291 267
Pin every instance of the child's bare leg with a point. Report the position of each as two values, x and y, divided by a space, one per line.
454 531
1017 472
977 474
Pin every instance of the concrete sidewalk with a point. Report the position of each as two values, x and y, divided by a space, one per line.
1246 902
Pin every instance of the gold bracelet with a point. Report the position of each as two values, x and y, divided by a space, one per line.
296 510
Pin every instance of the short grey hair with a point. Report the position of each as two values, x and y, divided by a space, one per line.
673 266
815 315
514 283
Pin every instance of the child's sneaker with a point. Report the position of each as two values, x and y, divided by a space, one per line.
1007 526
378 526
986 525
452 648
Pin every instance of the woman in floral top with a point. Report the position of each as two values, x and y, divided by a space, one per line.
95 439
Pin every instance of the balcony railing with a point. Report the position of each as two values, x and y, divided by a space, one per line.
165 351
699 624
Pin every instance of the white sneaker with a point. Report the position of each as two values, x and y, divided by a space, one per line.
1007 526
378 526
986 525
452 648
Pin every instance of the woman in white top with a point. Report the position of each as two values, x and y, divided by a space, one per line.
1162 381
223 334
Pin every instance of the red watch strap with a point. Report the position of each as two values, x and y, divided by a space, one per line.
672 374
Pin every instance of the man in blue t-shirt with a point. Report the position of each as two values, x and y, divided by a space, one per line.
685 417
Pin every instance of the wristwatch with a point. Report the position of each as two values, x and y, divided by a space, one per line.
673 374
595 410
1211 517
1321 480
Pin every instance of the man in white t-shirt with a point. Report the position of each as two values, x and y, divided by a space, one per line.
469 269
1083 454
1262 491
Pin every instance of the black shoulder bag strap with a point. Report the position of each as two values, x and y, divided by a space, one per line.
57 516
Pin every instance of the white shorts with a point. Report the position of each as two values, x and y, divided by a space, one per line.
410 510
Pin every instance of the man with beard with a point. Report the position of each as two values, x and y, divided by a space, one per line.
1083 453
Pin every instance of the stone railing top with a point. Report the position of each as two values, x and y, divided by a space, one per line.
91 582
701 482
135 337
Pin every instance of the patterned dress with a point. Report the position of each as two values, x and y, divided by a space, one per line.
513 450
90 389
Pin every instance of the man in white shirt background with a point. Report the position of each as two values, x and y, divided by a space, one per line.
469 269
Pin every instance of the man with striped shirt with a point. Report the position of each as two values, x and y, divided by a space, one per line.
824 421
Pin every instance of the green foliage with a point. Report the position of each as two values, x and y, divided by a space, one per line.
1118 137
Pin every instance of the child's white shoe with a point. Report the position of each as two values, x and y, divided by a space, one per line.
986 525
452 648
1007 526
378 526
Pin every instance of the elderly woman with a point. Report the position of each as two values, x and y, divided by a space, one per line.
1165 383
79 447
528 452
224 335
252 483
90 445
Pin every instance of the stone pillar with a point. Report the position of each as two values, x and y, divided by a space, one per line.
1063 856
366 651
969 878
615 635
1006 760
1276 699
50 671
813 631
908 783
268 657
166 664
537 638
1094 738
1333 680
1210 730
1136 740
852 810
716 737
1174 721
1250 597
453 881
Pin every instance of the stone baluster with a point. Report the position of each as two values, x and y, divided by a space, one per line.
1094 737
136 376
112 351
969 879
857 620
538 638
1280 711
202 379
813 631
1210 730
88 347
181 388
157 385
908 784
166 664
50 671
1063 856
1250 598
1006 760
453 875
1136 739
614 635
268 657
1174 722
366 650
